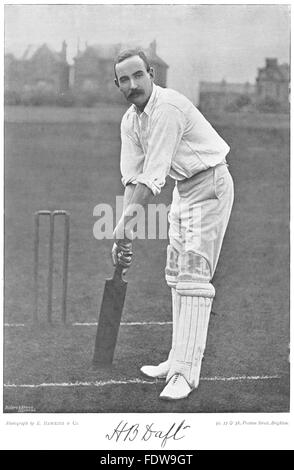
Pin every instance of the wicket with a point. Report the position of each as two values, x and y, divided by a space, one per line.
51 215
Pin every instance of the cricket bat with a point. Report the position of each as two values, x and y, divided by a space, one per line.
109 318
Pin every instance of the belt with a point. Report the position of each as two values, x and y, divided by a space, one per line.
199 174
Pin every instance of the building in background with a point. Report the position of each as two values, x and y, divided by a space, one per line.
273 82
160 67
269 93
221 96
93 71
39 69
43 73
13 70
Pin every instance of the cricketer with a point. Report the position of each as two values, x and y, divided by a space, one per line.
163 133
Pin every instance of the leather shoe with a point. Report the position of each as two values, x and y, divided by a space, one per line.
156 372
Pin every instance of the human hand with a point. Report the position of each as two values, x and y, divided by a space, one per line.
121 253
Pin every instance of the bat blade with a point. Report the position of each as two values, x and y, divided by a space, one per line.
109 318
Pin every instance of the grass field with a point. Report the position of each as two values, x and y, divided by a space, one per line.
69 159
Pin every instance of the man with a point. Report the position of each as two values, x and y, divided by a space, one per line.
162 134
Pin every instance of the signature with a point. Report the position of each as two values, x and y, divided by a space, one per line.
129 432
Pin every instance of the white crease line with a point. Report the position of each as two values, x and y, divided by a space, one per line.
137 381
82 384
241 377
135 323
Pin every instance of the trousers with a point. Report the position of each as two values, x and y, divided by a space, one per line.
198 219
199 215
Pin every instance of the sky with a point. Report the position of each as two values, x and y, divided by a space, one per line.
199 42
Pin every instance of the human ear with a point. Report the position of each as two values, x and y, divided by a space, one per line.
151 73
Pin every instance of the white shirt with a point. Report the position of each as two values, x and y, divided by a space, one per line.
170 137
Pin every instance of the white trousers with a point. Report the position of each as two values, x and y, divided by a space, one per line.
199 216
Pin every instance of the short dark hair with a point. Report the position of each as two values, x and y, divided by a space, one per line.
127 53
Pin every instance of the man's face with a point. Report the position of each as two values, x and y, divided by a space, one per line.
134 81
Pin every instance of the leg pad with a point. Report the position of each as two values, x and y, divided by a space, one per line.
194 276
172 266
194 289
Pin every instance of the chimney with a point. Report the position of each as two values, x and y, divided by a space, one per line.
271 63
152 47
63 51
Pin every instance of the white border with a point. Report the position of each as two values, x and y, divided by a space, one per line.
90 432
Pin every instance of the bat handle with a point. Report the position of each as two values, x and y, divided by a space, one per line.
118 272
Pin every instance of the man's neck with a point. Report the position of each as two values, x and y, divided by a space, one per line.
141 108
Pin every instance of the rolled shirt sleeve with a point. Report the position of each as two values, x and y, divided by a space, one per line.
164 135
132 156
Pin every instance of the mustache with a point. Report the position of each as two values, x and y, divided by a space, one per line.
136 93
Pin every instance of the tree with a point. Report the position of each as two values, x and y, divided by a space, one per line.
269 105
239 103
